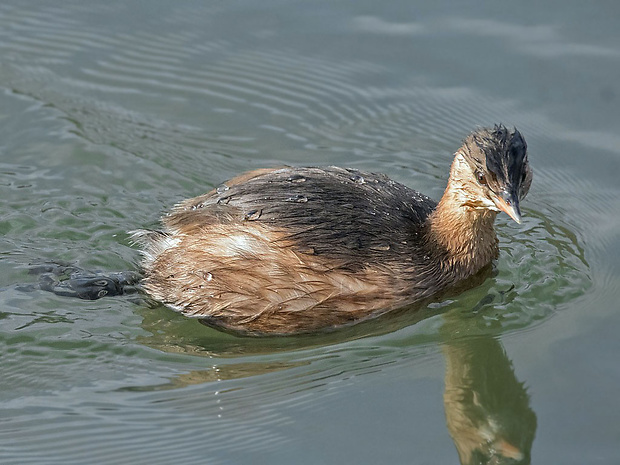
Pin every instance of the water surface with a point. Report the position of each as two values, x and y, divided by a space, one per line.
110 113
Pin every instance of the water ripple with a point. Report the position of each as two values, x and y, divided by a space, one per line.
130 120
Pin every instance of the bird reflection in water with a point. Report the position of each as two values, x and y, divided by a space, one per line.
487 408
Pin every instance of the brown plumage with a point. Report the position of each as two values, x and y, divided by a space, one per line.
288 250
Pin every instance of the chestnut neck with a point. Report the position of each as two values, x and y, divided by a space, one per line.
465 233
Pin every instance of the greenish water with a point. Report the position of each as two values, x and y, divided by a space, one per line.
112 112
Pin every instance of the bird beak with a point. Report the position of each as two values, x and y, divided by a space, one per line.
508 202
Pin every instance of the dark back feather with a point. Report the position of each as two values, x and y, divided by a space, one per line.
339 213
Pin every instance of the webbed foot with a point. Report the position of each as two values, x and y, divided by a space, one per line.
72 281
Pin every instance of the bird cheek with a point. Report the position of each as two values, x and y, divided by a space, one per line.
484 199
489 204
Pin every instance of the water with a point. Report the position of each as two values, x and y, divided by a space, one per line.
112 112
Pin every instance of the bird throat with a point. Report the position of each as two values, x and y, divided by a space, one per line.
466 234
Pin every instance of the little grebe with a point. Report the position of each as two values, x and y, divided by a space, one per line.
289 250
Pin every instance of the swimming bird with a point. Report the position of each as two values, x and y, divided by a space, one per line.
302 249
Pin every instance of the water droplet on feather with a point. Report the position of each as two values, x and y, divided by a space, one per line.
253 215
298 198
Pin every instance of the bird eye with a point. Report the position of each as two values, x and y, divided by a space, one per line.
481 177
